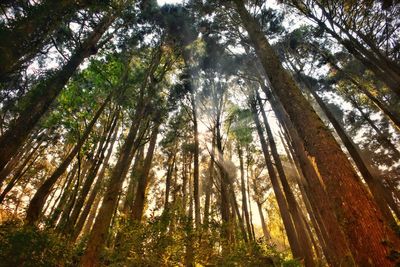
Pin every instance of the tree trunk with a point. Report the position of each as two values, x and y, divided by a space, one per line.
26 151
20 172
92 215
170 171
358 215
378 103
63 197
376 187
266 233
383 139
197 217
39 99
243 190
248 194
237 212
384 69
38 200
280 198
133 182
29 34
95 191
143 178
303 238
312 210
322 207
17 176
226 234
209 183
99 232
92 173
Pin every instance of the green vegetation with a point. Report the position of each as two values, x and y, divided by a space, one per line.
206 133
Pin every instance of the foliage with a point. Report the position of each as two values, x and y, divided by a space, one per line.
148 244
29 246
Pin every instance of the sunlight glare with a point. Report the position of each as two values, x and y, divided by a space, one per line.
163 2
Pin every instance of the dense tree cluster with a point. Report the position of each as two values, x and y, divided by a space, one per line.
206 133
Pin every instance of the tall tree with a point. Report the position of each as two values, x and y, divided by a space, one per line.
40 98
37 202
350 199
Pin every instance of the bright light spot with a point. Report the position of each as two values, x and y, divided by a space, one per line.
163 2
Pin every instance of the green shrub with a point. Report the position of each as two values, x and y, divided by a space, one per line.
29 246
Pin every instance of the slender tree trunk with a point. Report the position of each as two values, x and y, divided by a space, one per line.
30 33
226 234
294 209
358 215
92 215
90 178
137 168
171 165
143 178
248 194
378 103
184 180
384 139
338 247
37 202
383 69
25 152
63 197
209 184
237 212
243 190
266 233
197 217
20 172
40 98
283 206
99 232
92 200
17 176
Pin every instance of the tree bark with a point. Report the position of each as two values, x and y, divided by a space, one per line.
339 252
313 212
243 191
196 194
376 187
209 183
92 173
170 171
303 238
98 235
92 200
280 198
355 210
133 181
266 233
143 178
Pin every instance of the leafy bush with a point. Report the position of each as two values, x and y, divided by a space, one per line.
148 244
29 246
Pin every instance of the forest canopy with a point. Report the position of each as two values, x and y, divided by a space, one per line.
199 133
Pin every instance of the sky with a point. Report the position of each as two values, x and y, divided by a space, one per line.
162 2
